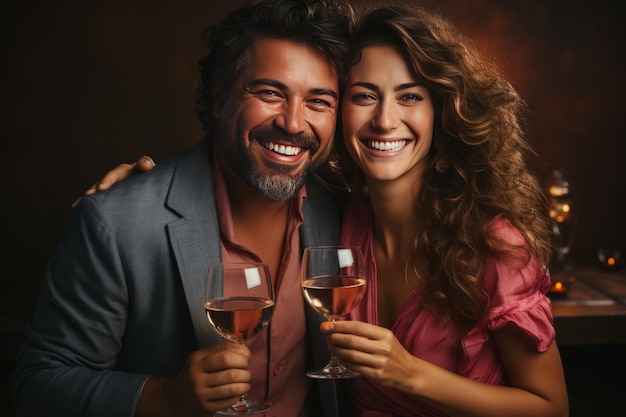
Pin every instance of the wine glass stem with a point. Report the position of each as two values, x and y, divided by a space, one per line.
244 398
333 361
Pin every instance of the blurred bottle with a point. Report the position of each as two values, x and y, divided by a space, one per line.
562 213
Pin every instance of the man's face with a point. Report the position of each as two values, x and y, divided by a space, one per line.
280 118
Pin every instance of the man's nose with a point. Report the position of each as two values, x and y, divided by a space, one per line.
291 118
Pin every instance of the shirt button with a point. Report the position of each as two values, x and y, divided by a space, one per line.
278 369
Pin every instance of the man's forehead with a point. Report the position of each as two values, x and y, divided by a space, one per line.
288 62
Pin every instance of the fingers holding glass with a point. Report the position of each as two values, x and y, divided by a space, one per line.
239 303
333 283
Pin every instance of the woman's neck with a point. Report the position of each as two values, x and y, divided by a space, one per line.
395 217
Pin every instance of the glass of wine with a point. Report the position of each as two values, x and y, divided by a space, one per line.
333 283
239 303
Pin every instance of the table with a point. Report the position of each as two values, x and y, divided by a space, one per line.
594 311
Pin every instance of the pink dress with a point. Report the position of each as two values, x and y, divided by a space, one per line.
517 295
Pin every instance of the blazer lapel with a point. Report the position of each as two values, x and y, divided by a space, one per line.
195 238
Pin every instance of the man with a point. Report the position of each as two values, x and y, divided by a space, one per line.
120 328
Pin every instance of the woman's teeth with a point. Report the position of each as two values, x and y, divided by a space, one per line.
387 146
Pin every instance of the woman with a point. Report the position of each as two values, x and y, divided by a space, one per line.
455 320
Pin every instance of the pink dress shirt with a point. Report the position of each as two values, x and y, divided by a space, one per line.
517 294
279 353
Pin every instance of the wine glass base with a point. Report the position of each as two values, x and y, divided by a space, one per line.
332 372
245 407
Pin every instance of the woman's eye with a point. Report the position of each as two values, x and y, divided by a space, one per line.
411 97
363 98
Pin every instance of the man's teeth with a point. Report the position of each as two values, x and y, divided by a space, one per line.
282 149
388 146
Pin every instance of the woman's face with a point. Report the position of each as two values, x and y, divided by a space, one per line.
387 117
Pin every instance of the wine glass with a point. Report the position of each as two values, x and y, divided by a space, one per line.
333 283
239 303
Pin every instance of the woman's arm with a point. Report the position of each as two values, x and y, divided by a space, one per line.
537 379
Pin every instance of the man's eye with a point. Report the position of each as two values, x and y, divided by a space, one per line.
267 94
321 103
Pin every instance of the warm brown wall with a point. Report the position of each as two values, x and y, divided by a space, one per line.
566 58
88 85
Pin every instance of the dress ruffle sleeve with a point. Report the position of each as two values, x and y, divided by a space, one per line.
517 290
533 315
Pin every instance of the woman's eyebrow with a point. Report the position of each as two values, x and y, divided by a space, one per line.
408 85
369 86
374 87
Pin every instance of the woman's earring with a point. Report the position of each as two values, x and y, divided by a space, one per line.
441 165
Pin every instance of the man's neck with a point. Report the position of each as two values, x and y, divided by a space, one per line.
259 223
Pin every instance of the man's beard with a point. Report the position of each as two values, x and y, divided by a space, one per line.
274 186
279 184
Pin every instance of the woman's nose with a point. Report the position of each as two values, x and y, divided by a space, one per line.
386 117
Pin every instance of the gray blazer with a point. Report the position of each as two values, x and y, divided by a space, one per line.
123 292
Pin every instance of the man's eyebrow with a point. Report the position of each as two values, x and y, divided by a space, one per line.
268 81
325 92
283 87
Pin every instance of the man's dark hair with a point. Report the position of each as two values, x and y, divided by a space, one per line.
324 25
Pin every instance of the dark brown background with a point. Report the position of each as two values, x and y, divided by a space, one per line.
87 85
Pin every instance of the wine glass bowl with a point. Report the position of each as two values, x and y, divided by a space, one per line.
334 297
239 303
239 319
333 283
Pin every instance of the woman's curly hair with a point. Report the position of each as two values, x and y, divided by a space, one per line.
476 170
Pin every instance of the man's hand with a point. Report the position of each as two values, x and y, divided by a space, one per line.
212 379
117 174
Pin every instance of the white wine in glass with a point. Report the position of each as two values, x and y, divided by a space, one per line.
333 283
239 303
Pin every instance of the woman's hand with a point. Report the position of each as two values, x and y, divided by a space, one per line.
117 174
372 351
